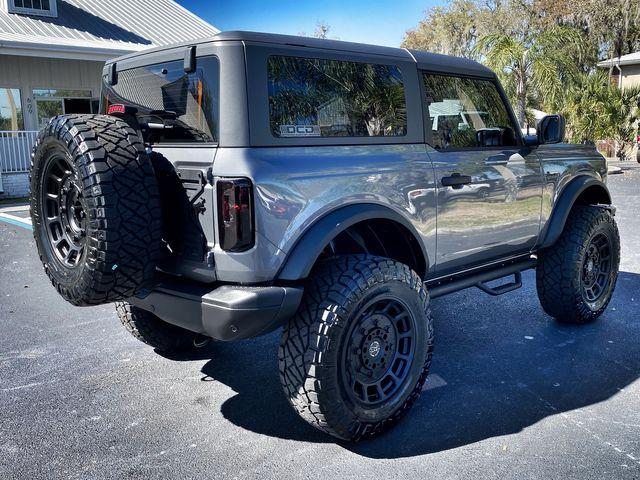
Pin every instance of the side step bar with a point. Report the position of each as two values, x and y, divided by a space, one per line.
480 280
505 288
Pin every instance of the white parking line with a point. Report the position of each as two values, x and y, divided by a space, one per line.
14 208
26 220
17 221
433 381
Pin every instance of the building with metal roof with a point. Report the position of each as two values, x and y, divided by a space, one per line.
624 70
51 57
95 29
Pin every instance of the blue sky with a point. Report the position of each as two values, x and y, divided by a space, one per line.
367 21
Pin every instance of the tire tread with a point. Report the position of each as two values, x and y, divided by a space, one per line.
303 371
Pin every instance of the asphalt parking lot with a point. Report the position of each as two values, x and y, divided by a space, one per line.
512 395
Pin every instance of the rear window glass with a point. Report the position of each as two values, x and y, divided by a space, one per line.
467 113
330 98
170 106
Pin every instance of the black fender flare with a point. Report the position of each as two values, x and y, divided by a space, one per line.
305 252
567 199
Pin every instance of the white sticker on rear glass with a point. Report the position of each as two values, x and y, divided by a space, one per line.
299 130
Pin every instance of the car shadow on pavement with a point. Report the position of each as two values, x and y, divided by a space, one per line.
500 366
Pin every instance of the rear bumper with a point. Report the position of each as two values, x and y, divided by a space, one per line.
225 312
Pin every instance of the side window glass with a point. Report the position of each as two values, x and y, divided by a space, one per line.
310 97
467 113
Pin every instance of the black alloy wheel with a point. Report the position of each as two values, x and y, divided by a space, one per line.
64 211
596 268
95 209
379 352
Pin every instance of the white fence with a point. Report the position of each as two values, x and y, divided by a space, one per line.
15 150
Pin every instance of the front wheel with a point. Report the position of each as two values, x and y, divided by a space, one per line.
577 275
355 356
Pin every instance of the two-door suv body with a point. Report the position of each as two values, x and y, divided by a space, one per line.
252 181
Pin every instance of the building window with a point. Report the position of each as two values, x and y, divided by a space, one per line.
51 102
11 110
47 8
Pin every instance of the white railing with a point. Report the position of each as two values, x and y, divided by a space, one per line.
15 150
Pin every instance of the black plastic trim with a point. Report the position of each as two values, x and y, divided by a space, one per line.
562 207
190 59
306 251
112 75
224 313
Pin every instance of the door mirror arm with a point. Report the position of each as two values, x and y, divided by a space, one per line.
531 141
550 129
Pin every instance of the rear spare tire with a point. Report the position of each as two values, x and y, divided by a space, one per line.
95 208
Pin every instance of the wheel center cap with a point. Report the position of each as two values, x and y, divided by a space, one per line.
590 266
374 348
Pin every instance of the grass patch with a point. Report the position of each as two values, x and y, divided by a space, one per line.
7 201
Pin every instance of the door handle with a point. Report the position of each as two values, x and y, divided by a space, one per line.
456 180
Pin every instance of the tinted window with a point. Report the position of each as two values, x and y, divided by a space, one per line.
329 98
467 113
169 104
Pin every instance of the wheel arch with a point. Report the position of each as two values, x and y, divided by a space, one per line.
318 236
583 190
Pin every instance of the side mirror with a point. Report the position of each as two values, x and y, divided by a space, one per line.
489 137
551 129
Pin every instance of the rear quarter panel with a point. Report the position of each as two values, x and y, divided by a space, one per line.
296 186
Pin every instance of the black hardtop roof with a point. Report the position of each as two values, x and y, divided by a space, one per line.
425 60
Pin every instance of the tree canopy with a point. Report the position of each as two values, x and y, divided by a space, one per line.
545 53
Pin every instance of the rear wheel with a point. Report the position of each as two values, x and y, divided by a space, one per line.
576 277
162 336
354 358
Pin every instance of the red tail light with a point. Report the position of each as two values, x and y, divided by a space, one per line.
115 108
235 214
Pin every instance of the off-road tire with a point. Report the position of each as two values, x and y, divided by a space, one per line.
118 196
149 329
561 268
314 341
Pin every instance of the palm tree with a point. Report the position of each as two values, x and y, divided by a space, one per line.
537 64
596 110
628 109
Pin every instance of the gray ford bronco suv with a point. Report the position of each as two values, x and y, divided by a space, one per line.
253 181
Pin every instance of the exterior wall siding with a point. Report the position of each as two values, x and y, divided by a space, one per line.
15 185
28 73
630 75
